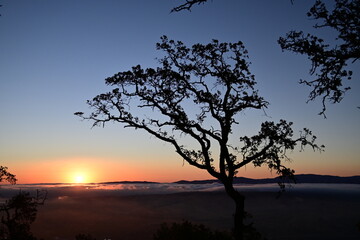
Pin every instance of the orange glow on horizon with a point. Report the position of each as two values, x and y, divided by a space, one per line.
78 173
67 170
97 170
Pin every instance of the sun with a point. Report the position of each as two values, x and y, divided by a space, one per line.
79 178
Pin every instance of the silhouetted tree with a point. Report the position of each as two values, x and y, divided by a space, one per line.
18 213
329 63
6 176
195 96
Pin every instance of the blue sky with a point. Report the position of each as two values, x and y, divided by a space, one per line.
54 55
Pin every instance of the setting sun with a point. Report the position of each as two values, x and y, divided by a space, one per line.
79 179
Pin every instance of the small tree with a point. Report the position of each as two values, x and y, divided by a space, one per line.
18 213
195 96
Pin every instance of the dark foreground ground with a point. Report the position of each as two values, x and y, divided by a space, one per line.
305 215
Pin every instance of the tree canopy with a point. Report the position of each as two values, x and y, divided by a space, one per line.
329 57
197 93
216 81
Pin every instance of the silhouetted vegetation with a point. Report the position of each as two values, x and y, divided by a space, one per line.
17 215
84 237
196 95
188 5
6 176
189 231
329 64
329 58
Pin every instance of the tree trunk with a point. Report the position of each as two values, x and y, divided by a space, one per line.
239 211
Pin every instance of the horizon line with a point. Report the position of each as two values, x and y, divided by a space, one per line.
182 180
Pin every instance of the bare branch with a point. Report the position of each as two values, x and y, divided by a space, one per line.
188 5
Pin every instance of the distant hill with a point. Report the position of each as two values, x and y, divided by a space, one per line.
312 178
300 178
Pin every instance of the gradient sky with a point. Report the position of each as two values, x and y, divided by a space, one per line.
54 55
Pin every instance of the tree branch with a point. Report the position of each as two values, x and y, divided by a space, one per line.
188 5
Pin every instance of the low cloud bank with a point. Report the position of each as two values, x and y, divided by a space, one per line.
119 210
123 189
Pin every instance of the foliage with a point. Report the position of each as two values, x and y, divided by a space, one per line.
329 63
84 237
18 213
189 231
5 175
